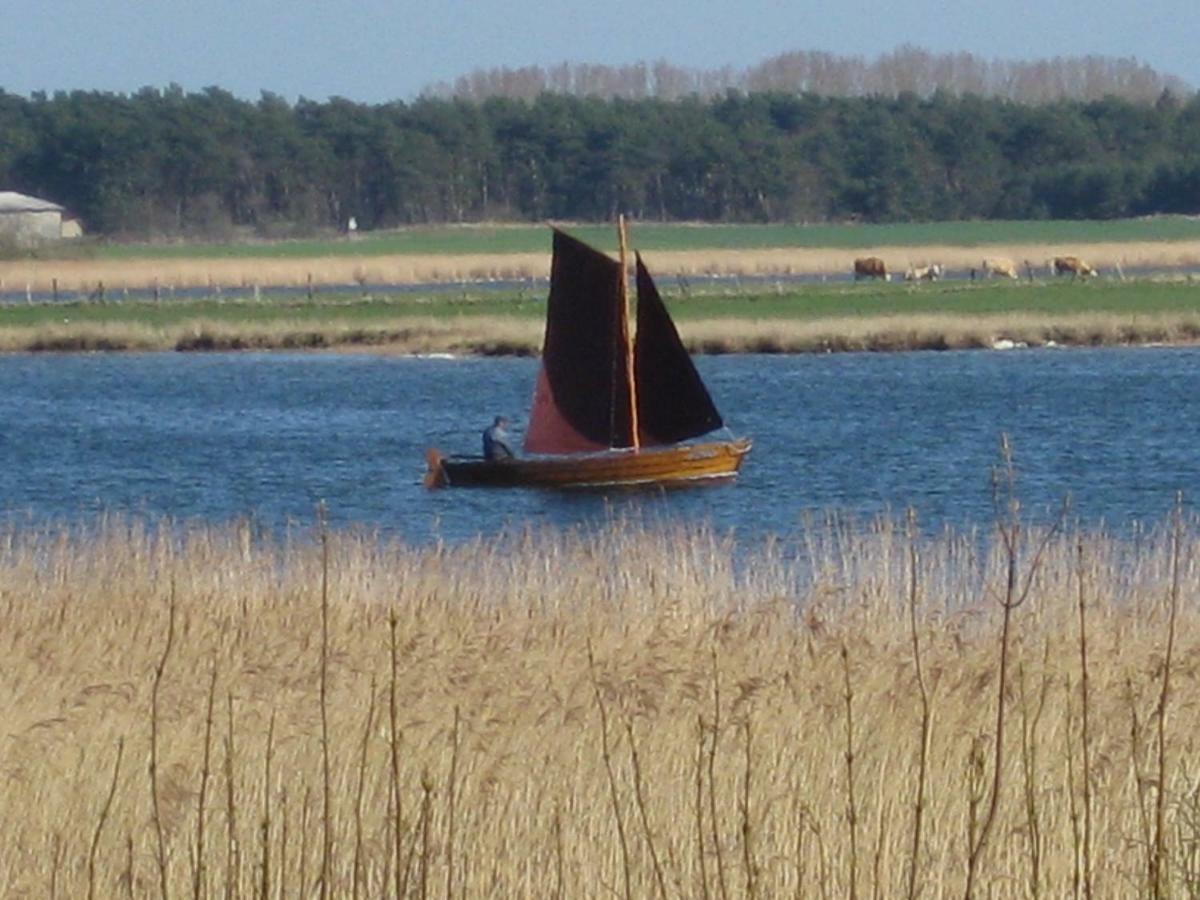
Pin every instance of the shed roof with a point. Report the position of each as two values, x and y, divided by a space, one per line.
12 202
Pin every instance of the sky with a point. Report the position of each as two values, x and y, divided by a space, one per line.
374 51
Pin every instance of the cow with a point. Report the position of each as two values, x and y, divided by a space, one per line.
871 267
999 267
931 272
1073 264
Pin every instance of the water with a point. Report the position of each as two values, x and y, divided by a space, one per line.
268 436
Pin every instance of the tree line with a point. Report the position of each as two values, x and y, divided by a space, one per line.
168 162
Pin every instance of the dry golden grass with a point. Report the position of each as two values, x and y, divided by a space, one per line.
951 331
750 726
464 335
83 275
493 335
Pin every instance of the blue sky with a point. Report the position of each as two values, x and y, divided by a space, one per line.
378 50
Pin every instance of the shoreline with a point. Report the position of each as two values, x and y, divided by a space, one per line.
498 336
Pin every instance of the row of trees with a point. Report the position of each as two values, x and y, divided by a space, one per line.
906 70
169 162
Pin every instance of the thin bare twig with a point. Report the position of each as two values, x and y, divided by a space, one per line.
112 792
1085 736
202 799
639 796
326 778
926 719
606 751
851 807
712 776
1016 592
156 807
1158 866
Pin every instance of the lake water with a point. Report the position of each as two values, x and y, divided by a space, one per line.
268 436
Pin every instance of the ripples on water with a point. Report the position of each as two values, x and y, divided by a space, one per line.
268 436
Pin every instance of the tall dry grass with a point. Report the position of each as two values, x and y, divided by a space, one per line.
638 712
85 275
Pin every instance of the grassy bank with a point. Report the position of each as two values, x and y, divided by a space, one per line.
807 318
634 713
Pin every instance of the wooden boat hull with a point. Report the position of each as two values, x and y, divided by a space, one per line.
674 466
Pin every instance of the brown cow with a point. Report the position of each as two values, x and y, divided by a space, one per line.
1000 267
871 267
1073 264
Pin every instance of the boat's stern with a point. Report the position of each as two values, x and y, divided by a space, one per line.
435 471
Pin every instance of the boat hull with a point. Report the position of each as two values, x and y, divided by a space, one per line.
674 466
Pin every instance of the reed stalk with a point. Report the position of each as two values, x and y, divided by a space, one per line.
326 777
232 862
851 806
1016 592
155 802
264 884
698 805
712 776
640 799
1158 858
104 813
1085 716
356 866
606 753
451 787
426 859
924 735
198 870
747 828
396 821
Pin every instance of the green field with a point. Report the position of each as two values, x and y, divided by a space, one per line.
494 239
804 302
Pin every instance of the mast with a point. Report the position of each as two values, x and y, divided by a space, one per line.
623 332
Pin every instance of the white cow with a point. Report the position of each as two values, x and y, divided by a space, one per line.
931 272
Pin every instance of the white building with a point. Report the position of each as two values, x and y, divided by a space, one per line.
30 220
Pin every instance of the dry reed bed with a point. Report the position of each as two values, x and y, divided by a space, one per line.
84 275
496 335
633 713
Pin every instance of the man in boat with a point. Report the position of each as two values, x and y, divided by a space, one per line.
496 446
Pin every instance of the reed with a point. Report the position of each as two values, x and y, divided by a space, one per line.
510 336
543 687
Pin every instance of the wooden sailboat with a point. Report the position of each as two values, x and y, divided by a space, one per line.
607 410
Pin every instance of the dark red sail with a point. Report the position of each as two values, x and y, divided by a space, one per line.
581 400
673 403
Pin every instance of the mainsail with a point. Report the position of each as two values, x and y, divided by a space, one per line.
581 400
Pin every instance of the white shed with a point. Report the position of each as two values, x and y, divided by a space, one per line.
29 220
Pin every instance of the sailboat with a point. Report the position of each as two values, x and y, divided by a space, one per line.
609 409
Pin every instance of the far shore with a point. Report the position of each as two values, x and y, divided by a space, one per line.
497 336
810 318
86 276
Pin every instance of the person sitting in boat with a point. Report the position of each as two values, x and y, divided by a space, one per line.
496 446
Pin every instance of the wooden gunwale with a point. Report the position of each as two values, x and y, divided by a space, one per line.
678 464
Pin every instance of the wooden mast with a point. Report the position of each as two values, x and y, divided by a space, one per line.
622 241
